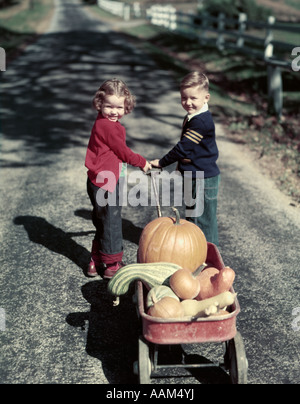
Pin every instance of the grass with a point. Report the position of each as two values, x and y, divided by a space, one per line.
293 3
20 24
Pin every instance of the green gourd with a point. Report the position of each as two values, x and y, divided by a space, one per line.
151 274
159 292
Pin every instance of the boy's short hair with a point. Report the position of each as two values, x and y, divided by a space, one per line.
114 87
195 79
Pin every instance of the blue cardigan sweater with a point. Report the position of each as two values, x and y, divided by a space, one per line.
197 150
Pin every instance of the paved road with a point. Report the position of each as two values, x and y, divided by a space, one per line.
60 325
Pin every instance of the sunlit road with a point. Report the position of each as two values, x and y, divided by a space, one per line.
60 326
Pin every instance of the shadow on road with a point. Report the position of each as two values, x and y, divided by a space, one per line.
47 119
55 239
42 232
112 337
49 108
109 330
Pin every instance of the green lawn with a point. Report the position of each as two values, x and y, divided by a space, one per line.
20 23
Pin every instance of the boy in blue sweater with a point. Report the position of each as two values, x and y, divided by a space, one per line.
197 151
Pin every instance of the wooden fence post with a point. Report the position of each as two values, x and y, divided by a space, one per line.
242 28
204 24
275 102
269 38
269 34
137 11
172 16
126 12
221 26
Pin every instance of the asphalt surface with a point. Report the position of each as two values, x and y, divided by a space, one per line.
60 326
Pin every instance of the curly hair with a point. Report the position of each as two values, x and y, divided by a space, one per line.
114 87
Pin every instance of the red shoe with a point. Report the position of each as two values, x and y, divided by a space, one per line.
92 269
95 260
112 269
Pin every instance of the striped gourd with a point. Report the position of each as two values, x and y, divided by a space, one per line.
151 274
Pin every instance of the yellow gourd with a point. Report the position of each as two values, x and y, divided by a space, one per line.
194 308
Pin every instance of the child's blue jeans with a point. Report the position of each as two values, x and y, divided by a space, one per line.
208 220
107 220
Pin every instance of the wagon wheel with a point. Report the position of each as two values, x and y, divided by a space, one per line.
236 361
144 362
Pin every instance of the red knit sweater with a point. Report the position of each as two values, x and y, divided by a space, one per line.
106 151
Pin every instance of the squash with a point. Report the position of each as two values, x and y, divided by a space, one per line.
150 274
184 284
174 240
167 307
159 292
194 308
220 313
214 282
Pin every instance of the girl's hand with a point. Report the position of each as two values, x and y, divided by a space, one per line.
155 163
147 167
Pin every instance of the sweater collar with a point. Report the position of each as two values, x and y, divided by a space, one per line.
203 109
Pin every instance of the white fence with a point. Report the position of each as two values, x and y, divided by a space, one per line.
224 33
116 7
164 16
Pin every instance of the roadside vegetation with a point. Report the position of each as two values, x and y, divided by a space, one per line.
239 101
239 97
21 21
238 84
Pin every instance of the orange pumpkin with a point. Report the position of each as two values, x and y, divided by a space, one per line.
174 240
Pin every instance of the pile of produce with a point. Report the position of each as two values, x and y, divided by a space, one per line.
176 292
172 254
189 295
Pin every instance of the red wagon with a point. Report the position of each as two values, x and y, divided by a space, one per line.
157 332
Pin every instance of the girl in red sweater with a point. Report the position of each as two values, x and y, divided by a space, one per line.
106 154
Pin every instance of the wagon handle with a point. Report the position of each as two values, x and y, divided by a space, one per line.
153 173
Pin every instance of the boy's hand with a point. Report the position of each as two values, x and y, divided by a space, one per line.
147 167
155 163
